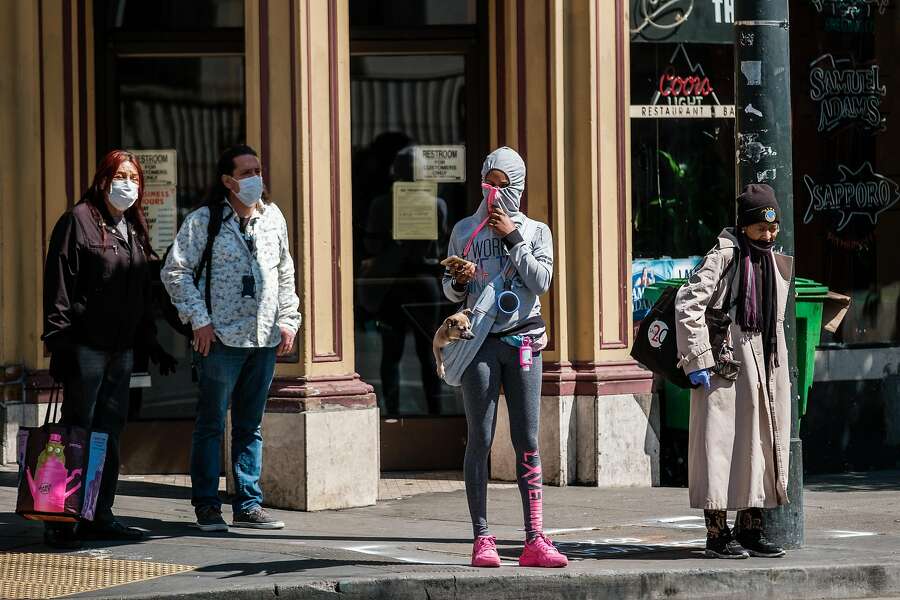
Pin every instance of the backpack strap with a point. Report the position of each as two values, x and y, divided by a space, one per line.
212 230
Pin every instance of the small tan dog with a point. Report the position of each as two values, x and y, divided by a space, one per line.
455 327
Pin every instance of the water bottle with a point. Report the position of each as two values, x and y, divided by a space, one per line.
525 354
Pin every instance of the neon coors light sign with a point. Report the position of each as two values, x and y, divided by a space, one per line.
683 91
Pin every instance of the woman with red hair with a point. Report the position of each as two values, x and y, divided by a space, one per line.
96 304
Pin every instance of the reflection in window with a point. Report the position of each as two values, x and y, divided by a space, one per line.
399 102
422 96
192 104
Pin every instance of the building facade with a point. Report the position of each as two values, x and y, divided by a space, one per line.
341 98
372 118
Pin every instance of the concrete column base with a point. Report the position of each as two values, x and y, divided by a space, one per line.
321 445
618 440
556 439
599 426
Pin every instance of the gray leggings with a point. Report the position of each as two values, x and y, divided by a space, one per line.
495 363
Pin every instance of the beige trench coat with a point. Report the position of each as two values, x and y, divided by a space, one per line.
739 431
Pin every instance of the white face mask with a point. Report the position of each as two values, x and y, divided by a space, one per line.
123 194
251 190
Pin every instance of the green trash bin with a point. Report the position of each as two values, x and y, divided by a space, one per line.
810 297
676 401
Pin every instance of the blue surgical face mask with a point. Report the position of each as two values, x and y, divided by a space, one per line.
251 190
123 194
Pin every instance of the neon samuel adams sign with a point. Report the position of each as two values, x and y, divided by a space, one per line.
683 90
846 93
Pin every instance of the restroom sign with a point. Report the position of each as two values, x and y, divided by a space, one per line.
439 163
159 166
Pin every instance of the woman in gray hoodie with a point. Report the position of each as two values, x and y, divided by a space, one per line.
511 265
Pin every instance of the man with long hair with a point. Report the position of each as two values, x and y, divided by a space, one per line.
241 302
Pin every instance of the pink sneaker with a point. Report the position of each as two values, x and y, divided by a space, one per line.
484 552
540 552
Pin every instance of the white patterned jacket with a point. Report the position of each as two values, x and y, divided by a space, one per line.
238 321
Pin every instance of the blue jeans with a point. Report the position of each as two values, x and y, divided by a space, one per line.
242 375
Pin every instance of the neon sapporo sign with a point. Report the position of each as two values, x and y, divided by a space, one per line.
861 192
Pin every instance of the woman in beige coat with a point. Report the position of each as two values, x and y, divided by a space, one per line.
741 409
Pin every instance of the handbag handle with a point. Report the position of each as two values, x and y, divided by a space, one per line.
55 392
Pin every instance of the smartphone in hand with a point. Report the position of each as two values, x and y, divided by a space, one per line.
455 263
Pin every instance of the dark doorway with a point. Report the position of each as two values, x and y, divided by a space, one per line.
170 79
419 133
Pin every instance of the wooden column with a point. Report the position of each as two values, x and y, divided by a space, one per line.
527 103
321 425
298 107
599 207
617 418
526 90
48 110
47 114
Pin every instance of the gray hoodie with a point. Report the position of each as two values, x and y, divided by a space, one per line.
529 250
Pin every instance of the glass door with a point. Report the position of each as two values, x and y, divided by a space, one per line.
417 144
171 88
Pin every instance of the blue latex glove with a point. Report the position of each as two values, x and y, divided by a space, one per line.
700 377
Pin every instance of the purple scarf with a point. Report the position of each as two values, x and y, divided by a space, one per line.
757 304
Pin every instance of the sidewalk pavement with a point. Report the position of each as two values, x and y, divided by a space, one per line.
622 543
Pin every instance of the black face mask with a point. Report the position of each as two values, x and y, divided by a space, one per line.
761 246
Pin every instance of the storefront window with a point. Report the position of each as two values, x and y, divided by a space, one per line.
682 153
177 104
408 128
192 104
191 107
846 166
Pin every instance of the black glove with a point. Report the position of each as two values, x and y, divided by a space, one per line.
162 359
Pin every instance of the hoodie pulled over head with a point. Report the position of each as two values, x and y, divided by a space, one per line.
525 256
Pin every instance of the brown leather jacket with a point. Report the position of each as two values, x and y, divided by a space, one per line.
96 285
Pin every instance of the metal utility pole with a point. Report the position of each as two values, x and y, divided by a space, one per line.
762 101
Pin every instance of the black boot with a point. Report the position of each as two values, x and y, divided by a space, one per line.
61 536
108 530
749 533
719 541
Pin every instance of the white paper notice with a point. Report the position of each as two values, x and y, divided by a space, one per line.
415 210
162 216
160 168
160 196
440 163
